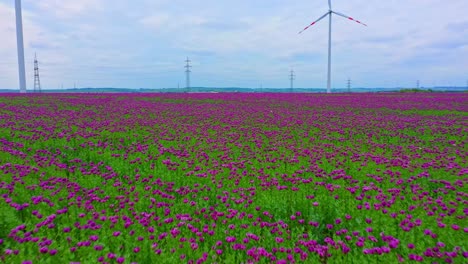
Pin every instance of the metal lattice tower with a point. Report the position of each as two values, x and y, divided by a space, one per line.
187 73
292 77
349 85
37 80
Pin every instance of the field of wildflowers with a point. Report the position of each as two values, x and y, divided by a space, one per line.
233 178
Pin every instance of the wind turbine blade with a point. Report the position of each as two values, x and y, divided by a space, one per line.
348 17
313 23
329 4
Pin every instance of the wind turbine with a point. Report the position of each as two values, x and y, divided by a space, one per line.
329 13
20 46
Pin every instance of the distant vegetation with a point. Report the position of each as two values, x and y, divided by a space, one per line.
415 90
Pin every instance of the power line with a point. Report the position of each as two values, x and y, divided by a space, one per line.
187 74
37 81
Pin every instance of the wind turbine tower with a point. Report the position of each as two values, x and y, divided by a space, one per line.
417 84
20 46
292 76
187 74
37 81
329 14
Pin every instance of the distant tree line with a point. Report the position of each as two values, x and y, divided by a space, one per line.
416 90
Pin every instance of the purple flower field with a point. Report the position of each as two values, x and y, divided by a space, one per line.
234 178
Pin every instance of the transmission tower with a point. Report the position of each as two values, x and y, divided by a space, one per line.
37 81
187 74
349 85
292 77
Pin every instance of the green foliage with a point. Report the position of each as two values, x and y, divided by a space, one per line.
416 90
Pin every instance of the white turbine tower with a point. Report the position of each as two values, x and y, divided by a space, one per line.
20 45
329 13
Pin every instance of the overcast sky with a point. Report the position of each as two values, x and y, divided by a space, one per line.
246 43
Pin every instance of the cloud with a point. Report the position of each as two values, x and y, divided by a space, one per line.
65 9
169 22
55 47
450 44
222 25
35 38
458 26
384 39
305 56
114 43
7 28
156 21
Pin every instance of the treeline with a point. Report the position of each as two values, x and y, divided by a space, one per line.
416 90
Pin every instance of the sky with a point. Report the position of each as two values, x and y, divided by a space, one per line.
236 43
